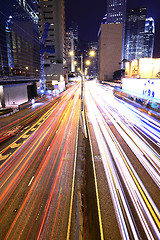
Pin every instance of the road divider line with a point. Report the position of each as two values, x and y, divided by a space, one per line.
83 124
73 183
96 187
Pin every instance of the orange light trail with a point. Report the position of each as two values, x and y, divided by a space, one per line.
48 155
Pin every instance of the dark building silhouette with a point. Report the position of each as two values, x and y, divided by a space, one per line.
116 11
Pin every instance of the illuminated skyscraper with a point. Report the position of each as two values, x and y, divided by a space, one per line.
134 33
74 29
116 11
19 51
116 14
53 12
19 38
72 46
149 34
70 51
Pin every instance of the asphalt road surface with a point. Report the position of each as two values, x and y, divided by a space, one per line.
125 144
37 174
62 179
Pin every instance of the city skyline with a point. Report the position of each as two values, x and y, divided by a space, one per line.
90 14
79 135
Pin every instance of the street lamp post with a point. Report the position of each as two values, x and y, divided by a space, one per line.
82 81
88 62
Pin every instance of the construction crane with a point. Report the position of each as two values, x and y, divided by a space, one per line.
43 49
8 29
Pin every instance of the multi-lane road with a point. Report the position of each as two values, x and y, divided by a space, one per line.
128 143
38 168
37 174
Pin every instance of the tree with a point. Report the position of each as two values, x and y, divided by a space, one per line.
117 75
158 75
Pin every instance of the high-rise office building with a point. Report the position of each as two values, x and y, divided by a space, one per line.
116 14
149 35
19 51
74 29
114 20
116 11
109 50
70 51
53 12
72 47
19 39
134 33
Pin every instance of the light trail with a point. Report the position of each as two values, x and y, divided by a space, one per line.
109 168
100 114
42 168
134 142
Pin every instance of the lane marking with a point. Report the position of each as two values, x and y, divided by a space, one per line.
33 129
3 157
24 136
15 145
73 183
96 187
30 181
84 124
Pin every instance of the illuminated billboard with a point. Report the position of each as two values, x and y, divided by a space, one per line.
149 67
149 88
134 71
143 68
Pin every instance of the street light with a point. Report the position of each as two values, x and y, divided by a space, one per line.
71 53
88 62
92 53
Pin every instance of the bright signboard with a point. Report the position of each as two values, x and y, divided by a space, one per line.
144 87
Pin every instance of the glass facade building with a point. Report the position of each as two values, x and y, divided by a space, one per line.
149 35
134 33
19 39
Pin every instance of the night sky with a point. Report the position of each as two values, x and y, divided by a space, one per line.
89 13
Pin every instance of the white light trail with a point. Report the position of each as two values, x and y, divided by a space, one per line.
147 211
